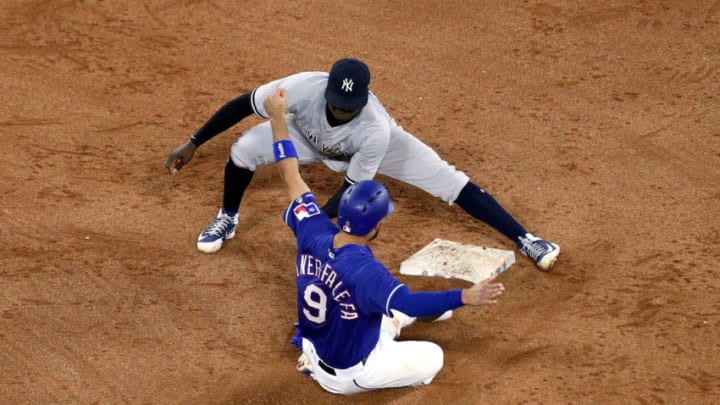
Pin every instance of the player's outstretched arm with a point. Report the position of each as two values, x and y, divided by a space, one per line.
426 303
286 156
229 115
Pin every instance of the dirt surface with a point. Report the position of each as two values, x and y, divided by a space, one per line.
597 124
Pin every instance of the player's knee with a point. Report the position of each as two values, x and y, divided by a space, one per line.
248 152
243 160
437 358
237 163
434 360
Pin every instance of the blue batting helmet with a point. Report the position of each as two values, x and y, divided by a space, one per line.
362 206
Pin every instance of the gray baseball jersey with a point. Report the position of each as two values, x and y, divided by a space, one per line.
370 143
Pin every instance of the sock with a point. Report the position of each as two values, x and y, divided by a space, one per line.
237 180
483 207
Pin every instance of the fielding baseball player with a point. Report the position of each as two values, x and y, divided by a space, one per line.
350 308
336 120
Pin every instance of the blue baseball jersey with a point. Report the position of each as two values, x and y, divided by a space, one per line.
342 293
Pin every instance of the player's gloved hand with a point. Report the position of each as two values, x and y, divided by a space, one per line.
331 207
486 292
179 156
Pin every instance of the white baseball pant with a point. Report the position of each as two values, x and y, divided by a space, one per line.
407 159
391 364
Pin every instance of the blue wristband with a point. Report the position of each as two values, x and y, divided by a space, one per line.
284 149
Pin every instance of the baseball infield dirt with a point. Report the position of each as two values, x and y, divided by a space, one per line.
597 124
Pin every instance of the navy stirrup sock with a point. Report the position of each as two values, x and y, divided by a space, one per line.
482 206
237 180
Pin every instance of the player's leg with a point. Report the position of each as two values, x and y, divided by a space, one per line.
481 205
391 364
411 161
393 326
394 364
252 150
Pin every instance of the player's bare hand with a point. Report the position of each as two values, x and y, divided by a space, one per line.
179 156
276 103
486 292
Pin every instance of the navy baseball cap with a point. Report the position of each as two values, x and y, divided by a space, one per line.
348 84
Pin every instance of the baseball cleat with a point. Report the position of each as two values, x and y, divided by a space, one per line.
220 229
544 253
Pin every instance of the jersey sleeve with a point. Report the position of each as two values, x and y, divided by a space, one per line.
365 162
296 86
425 303
303 216
380 287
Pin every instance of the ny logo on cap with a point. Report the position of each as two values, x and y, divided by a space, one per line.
347 84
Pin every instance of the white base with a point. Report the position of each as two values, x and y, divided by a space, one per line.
444 258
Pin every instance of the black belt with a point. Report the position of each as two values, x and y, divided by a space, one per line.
331 370
327 368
